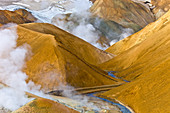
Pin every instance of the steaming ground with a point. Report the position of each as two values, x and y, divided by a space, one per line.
12 61
53 11
84 101
12 58
78 23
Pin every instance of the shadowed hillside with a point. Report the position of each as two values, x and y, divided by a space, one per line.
127 13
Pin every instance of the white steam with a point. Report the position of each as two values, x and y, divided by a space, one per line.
72 16
82 6
78 23
84 101
126 32
12 61
12 99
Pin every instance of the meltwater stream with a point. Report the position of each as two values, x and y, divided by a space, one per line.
110 73
122 108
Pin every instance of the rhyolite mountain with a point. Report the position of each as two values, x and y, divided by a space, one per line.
120 16
127 13
114 18
60 58
143 59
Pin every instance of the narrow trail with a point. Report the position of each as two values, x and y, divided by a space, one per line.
91 91
85 90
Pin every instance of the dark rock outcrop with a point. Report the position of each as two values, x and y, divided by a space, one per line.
18 16
161 7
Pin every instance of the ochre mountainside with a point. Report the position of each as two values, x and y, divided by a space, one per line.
134 39
146 64
59 57
127 13
41 105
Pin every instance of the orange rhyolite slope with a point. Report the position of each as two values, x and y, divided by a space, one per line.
41 105
147 65
59 57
